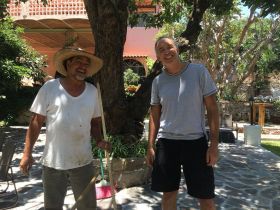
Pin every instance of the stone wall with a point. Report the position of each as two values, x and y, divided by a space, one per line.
24 117
274 83
240 111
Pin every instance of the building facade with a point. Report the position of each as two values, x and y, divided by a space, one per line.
49 28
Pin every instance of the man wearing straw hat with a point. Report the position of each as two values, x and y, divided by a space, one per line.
69 105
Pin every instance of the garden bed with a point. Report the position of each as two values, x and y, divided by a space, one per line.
127 172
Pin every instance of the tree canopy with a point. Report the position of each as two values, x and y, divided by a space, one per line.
109 19
191 13
234 47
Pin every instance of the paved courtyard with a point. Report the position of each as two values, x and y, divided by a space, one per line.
247 177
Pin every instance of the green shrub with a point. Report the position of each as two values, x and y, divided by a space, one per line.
120 150
130 78
150 62
276 105
17 61
16 102
131 81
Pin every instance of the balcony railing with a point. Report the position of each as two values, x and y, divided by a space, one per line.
34 9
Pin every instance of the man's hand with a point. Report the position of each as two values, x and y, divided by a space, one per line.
212 155
150 157
26 164
105 145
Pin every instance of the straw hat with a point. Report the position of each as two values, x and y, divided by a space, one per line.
66 53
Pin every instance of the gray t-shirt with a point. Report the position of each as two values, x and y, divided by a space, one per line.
181 98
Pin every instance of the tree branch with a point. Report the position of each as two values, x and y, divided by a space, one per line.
193 27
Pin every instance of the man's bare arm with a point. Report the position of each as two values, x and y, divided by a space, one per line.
213 121
32 134
155 113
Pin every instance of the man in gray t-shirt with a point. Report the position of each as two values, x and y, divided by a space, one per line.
179 97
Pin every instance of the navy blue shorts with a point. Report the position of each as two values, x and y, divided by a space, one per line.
191 154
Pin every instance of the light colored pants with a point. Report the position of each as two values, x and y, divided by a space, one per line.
55 187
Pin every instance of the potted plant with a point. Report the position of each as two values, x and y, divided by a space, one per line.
131 82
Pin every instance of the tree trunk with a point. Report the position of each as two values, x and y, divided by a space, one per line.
123 115
108 18
193 28
108 21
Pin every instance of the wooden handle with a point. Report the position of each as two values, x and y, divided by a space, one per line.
84 192
102 113
106 152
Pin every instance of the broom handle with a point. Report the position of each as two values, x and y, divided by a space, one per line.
106 152
101 164
89 186
102 113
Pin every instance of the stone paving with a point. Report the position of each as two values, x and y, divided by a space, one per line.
247 178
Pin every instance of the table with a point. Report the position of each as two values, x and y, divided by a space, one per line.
261 110
225 135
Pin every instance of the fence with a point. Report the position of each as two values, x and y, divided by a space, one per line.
35 8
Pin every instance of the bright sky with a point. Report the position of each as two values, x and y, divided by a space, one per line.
245 11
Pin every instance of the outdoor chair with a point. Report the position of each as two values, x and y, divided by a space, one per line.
6 176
